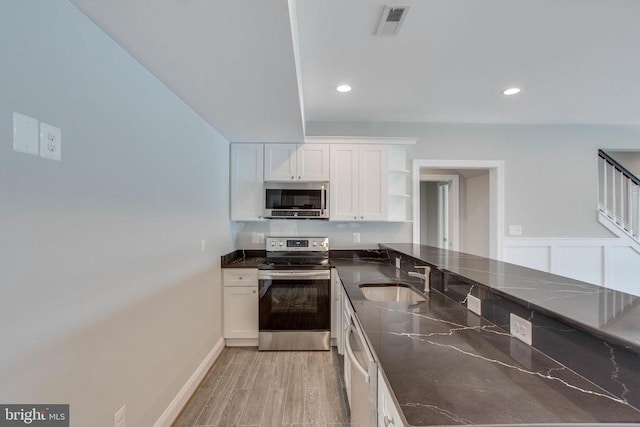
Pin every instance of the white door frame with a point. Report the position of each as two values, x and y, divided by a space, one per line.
454 212
496 196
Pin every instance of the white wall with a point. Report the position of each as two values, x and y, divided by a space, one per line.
105 296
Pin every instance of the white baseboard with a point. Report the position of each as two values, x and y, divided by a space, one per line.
241 342
173 410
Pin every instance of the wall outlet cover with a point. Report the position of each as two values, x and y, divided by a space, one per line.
474 304
520 328
50 142
515 230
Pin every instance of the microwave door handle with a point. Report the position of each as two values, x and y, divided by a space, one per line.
323 196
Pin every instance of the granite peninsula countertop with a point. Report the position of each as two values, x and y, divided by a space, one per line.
606 313
447 366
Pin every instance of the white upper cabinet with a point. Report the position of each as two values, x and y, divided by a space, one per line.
247 189
359 182
296 162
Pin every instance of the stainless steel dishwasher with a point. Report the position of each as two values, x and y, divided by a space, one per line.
360 373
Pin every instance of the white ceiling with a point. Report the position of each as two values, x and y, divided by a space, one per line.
234 62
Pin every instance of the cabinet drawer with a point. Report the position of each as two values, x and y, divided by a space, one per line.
240 276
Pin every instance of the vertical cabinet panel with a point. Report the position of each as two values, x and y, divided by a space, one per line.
247 194
373 183
344 182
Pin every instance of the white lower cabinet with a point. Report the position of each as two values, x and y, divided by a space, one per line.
240 303
388 414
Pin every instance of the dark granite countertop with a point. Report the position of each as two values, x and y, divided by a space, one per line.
447 366
243 259
611 315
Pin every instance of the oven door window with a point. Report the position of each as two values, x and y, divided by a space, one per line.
294 305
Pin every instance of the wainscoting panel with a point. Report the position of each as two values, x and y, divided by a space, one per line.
583 263
606 262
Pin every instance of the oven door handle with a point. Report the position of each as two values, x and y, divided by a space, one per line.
294 274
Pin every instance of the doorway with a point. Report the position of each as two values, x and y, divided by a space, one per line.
439 210
480 216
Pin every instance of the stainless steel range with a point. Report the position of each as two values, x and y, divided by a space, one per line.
295 294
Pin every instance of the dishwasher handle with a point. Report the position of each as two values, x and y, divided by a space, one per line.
352 356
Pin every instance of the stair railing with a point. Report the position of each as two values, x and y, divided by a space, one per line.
619 195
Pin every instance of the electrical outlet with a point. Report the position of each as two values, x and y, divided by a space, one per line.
515 230
356 237
119 418
203 246
520 328
474 304
50 142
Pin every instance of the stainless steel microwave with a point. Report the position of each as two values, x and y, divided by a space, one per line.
309 200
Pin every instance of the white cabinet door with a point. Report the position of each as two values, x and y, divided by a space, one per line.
374 182
247 193
240 311
387 412
240 302
296 162
312 161
359 182
343 188
280 162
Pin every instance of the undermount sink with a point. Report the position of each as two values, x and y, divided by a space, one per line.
390 292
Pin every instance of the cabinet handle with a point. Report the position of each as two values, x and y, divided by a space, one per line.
387 421
361 217
254 291
355 217
240 278
299 177
293 177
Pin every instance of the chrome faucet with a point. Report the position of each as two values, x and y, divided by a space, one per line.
424 276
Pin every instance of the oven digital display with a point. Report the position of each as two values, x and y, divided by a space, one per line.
297 243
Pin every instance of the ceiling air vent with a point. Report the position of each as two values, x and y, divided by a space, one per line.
391 20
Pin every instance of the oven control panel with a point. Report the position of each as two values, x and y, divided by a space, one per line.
297 244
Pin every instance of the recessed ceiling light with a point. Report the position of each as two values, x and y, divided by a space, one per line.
511 91
343 88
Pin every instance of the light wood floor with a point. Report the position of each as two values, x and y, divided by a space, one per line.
250 388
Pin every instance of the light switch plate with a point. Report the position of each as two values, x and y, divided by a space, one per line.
25 134
50 142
